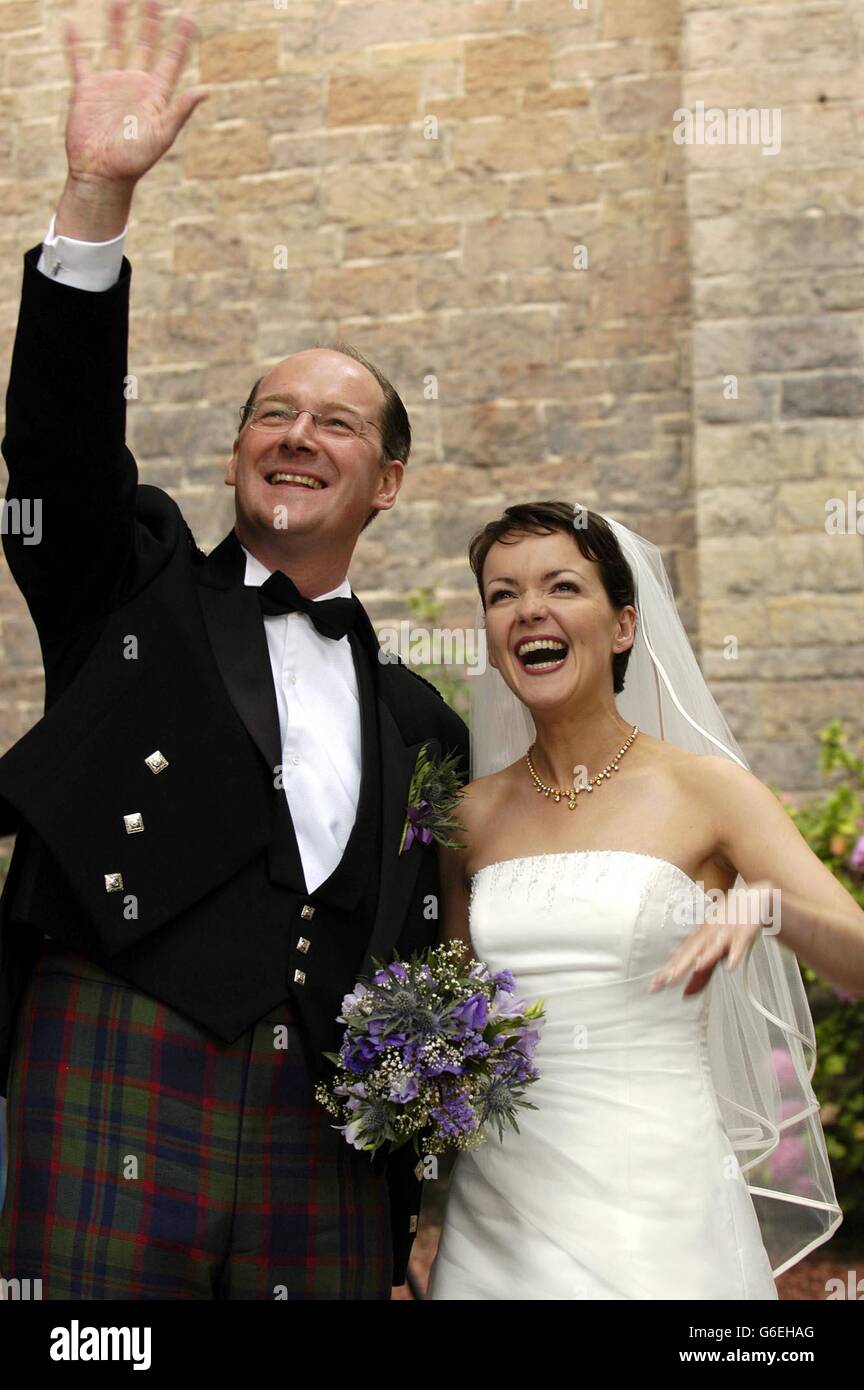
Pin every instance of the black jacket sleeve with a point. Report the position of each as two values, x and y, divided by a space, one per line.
65 449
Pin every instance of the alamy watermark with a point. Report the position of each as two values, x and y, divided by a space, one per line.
739 125
735 907
436 646
21 516
20 1290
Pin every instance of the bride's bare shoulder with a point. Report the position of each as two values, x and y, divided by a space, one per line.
482 796
693 772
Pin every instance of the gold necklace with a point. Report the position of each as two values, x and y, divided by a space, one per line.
557 792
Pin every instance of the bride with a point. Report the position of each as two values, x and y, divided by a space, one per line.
676 1150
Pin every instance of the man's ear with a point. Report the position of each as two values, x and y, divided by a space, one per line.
231 471
392 473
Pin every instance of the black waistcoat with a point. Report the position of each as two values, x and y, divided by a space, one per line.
258 938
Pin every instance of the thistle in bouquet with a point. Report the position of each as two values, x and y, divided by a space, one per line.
437 1048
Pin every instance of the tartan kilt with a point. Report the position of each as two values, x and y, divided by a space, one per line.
148 1160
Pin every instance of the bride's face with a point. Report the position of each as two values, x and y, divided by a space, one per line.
550 628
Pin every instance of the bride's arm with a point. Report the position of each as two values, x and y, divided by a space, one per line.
819 920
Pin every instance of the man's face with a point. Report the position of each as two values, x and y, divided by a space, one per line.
348 475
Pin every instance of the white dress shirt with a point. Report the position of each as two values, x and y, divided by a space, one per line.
314 679
319 725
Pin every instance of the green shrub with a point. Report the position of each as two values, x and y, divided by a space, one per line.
833 826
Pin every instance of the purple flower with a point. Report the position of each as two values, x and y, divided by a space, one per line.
455 1116
377 1029
356 1090
473 1011
416 829
359 1054
527 1040
353 999
403 1087
505 1005
856 858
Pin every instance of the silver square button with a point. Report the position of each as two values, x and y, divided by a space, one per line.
157 762
133 823
113 883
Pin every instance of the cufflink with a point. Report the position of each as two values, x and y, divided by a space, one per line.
307 912
412 1226
113 883
299 977
133 823
156 762
303 945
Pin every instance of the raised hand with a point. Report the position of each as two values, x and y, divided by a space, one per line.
124 115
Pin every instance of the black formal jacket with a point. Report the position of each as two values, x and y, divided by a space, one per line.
186 881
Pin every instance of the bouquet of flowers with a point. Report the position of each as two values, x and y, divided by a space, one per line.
435 1046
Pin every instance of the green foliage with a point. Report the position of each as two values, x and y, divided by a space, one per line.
832 826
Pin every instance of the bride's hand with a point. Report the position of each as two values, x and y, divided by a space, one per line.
716 938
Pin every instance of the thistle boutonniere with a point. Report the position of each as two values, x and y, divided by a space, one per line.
432 797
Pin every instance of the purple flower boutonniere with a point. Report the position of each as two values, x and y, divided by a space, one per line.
432 797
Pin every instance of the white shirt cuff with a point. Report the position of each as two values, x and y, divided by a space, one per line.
86 265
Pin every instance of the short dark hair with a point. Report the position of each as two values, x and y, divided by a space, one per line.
395 425
595 539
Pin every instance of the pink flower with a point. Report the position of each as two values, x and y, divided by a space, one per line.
787 1160
842 995
784 1067
856 858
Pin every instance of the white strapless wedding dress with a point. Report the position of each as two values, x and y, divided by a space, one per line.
623 1183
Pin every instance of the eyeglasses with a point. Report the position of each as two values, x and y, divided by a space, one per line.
269 415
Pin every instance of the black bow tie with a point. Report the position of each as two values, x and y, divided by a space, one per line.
333 617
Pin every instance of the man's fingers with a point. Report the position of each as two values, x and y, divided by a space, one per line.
112 56
73 53
183 106
148 37
173 60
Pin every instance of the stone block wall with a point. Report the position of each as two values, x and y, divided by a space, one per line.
486 197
